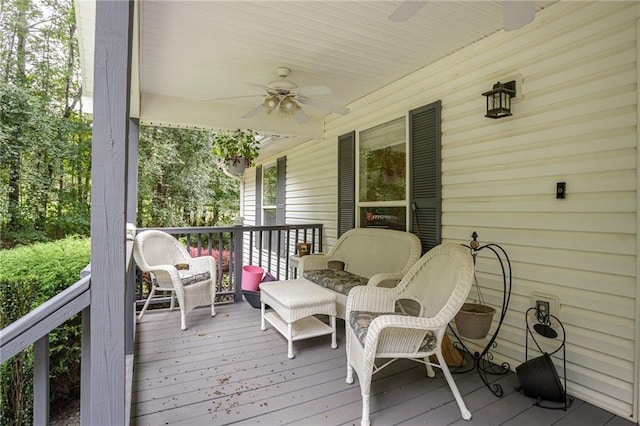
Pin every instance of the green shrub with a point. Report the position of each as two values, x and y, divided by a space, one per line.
29 276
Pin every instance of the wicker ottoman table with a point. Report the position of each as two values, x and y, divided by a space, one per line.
294 303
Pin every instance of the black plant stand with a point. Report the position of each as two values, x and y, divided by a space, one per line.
543 382
482 360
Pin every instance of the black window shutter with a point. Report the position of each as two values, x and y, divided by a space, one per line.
258 220
281 167
346 182
425 184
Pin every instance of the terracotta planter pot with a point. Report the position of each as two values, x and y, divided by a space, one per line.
474 320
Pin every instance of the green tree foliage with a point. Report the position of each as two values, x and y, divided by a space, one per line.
45 185
44 139
29 276
179 183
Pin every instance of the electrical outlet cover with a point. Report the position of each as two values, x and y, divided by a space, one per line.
553 300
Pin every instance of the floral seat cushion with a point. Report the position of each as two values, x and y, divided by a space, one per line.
191 277
360 321
338 281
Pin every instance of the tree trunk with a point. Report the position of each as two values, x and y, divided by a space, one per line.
16 159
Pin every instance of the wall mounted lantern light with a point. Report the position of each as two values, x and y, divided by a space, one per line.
499 99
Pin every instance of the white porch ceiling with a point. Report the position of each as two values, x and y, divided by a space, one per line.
189 56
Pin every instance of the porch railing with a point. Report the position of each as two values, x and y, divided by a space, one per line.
266 246
269 247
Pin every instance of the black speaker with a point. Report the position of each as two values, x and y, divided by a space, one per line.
539 379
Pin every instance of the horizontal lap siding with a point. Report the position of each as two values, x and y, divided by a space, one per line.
311 186
577 123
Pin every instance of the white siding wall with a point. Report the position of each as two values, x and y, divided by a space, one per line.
577 123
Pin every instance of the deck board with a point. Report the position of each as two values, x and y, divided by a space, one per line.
225 370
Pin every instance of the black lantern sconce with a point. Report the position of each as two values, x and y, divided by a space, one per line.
499 99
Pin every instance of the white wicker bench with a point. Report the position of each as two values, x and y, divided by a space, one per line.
294 304
370 256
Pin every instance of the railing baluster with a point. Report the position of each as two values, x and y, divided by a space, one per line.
85 364
238 265
41 381
270 250
279 252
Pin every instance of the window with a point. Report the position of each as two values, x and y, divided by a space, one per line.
382 176
269 191
270 199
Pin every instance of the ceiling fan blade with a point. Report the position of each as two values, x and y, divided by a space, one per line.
406 10
517 14
314 91
261 86
254 111
230 98
300 116
323 105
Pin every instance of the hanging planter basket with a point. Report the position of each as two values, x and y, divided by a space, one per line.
237 165
474 320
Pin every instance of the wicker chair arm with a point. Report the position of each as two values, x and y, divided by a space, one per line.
203 263
373 299
400 334
312 262
388 280
166 275
405 321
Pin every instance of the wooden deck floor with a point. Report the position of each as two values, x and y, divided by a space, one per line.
224 371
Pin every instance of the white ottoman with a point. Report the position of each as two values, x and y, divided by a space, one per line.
294 303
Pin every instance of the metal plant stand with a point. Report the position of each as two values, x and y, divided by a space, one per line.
482 360
538 376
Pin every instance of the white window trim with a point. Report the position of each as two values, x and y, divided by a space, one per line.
395 203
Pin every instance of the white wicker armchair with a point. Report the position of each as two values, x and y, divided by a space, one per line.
162 255
438 285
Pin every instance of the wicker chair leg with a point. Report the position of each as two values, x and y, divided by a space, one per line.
430 370
183 320
466 414
349 374
146 304
365 410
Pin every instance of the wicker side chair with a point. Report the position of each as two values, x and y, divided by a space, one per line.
378 327
192 280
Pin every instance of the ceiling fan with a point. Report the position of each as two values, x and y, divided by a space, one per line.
515 13
286 98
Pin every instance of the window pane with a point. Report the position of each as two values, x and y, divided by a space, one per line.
269 217
269 185
384 217
383 170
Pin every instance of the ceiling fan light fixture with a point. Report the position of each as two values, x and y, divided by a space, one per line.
271 103
288 107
